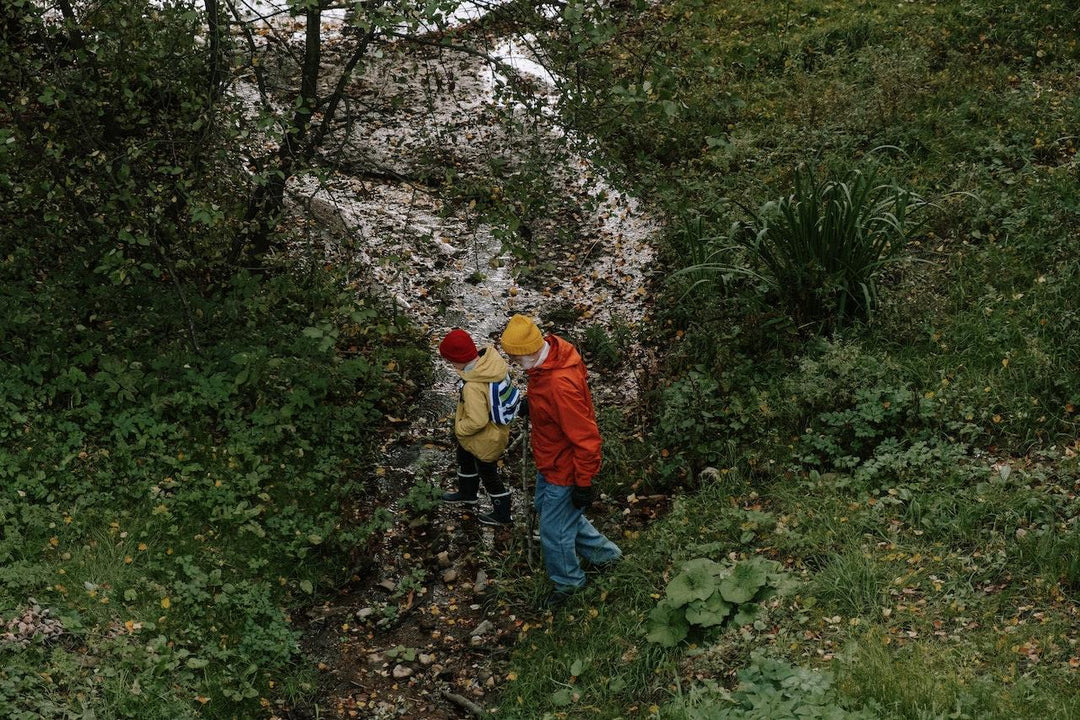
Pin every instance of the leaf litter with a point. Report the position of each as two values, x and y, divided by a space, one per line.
416 632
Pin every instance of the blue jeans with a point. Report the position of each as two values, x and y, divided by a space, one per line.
565 533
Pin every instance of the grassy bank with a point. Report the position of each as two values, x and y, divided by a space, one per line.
913 469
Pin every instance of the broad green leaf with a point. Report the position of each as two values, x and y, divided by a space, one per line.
667 625
697 581
562 698
709 612
747 614
743 583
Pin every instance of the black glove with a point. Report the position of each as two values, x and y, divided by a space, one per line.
581 496
523 407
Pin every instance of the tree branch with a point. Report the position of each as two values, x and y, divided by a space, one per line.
467 705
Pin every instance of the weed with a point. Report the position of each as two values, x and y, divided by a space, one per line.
852 582
768 688
422 498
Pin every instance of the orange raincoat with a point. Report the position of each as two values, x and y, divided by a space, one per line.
565 439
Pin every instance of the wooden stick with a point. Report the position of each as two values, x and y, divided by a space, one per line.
467 705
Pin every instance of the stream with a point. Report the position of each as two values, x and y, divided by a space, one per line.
424 638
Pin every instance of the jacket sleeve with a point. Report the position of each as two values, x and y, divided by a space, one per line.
474 415
578 423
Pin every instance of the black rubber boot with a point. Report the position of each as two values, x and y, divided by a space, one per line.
500 511
466 492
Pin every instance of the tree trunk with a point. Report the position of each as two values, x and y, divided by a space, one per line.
266 205
217 60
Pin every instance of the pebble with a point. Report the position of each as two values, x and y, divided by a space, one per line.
376 659
365 613
481 582
482 628
450 575
401 671
426 659
444 559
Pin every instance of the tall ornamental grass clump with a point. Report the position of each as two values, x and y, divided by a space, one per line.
820 251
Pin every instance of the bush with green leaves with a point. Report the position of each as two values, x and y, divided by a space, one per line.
707 594
768 689
701 417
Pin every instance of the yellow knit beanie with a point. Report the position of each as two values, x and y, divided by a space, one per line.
521 337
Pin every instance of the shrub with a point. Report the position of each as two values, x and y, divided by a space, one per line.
822 248
170 506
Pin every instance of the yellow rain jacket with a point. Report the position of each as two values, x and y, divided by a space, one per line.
472 421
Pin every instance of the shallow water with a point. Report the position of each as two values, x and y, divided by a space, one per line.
414 109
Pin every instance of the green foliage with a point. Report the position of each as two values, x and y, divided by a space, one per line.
171 506
846 436
111 159
822 248
705 593
928 681
695 424
851 583
422 497
768 689
608 349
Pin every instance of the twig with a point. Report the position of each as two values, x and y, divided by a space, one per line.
530 513
467 705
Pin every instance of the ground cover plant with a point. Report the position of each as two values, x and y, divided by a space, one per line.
166 509
918 466
183 435
184 438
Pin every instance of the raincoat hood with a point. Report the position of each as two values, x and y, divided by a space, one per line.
561 356
489 367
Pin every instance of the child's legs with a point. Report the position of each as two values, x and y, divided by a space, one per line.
489 475
592 545
558 530
467 464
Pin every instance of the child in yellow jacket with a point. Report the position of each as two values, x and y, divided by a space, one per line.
480 440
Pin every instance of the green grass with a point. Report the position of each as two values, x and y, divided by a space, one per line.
919 468
603 628
974 620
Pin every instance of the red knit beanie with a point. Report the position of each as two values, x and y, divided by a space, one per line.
458 347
